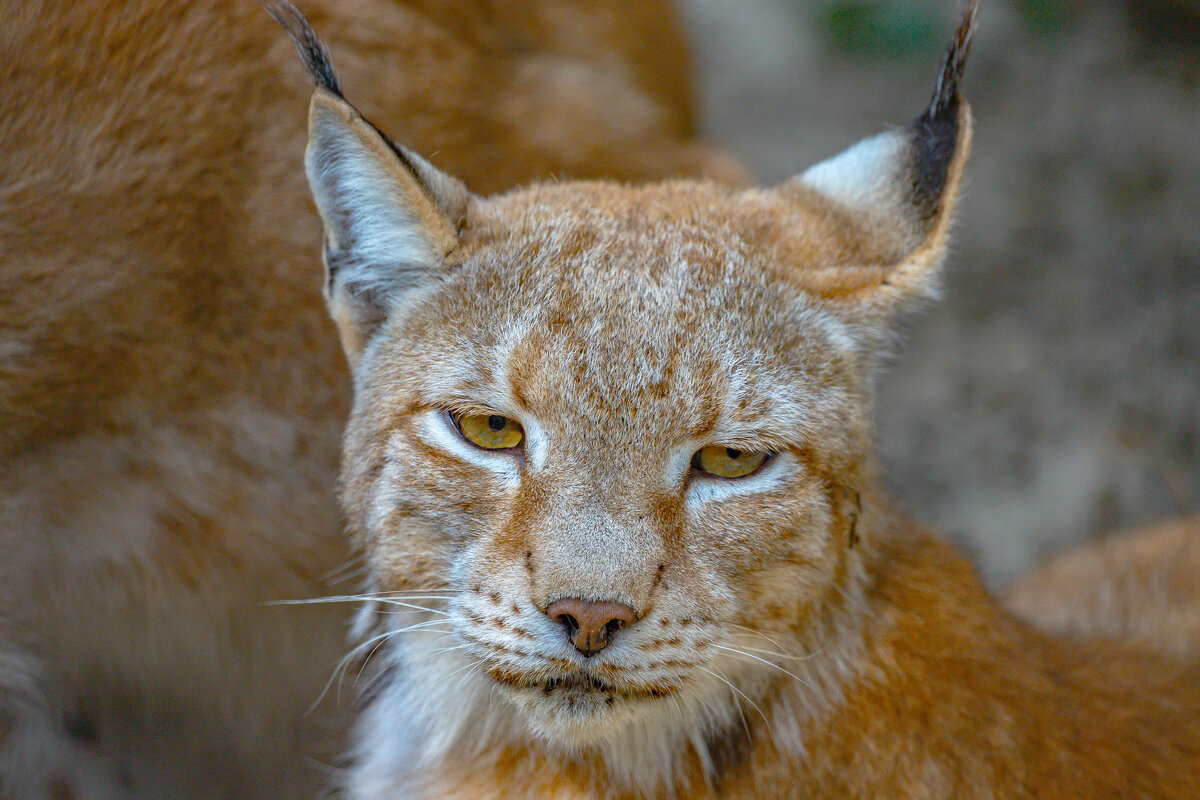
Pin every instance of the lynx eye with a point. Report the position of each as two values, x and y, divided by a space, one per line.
489 431
727 462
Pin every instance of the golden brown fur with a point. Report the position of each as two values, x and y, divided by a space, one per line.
172 396
1142 588
788 635
171 393
954 699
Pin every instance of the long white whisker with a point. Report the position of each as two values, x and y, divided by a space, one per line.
347 569
438 652
740 693
361 599
756 632
764 661
470 670
778 654
356 598
413 606
339 668
416 626
716 715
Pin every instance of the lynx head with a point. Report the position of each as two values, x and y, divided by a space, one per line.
612 437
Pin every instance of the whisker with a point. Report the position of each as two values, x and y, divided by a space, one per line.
740 693
410 590
678 707
363 667
756 632
340 669
736 703
777 654
382 638
360 599
433 653
419 625
414 606
351 567
764 661
716 715
470 670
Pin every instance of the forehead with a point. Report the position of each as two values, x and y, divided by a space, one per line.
606 302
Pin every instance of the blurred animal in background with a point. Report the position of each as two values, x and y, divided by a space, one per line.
610 463
171 392
1142 588
609 475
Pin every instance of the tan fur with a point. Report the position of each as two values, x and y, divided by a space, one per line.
171 394
796 637
1142 588
910 680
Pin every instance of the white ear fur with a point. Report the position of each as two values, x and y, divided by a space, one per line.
390 217
870 179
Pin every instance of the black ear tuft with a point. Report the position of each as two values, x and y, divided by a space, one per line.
945 93
312 50
936 132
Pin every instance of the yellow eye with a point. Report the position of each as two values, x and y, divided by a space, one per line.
489 431
727 462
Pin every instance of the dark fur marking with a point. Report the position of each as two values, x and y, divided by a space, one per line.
313 52
935 133
730 751
852 497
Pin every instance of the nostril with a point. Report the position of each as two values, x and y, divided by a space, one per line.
590 624
568 622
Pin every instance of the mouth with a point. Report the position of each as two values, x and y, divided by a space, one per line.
574 687
575 707
577 682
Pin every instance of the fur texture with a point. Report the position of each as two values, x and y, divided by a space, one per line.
795 636
171 392
1143 588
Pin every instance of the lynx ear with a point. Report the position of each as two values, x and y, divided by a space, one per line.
896 192
390 216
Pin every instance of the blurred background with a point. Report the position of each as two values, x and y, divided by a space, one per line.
1054 394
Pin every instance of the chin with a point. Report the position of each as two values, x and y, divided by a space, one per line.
577 710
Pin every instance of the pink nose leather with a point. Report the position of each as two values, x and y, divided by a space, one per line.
590 625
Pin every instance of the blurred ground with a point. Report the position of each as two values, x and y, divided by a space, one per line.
1054 394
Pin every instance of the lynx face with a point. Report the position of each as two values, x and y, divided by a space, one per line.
620 336
606 443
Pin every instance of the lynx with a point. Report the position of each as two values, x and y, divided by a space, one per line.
172 393
609 460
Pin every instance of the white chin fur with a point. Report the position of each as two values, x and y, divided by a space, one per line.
439 704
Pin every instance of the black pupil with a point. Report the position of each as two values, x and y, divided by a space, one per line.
497 422
733 454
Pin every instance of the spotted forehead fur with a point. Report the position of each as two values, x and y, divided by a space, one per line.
670 310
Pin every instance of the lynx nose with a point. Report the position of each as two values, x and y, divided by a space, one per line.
590 624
